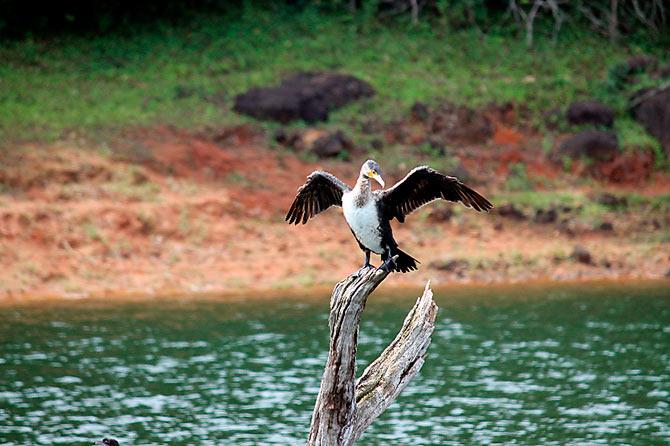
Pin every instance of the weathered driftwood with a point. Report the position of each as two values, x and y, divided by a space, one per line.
346 407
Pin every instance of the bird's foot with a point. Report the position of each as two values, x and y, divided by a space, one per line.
388 265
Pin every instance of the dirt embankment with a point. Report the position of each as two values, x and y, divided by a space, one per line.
167 211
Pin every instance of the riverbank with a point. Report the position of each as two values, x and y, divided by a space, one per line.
125 169
169 212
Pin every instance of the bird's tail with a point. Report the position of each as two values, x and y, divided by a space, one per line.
405 263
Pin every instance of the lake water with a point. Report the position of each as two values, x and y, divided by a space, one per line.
559 365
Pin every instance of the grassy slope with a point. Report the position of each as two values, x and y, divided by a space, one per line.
188 76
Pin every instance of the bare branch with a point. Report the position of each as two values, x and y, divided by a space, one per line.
648 21
597 23
559 17
529 21
526 19
344 407
384 379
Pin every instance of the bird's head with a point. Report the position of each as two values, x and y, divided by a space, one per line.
371 169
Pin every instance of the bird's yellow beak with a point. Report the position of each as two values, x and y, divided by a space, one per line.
376 177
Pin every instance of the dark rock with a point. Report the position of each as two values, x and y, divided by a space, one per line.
545 216
307 96
460 124
300 140
332 145
640 63
322 143
663 72
451 265
592 144
508 210
582 255
420 111
611 200
108 442
283 137
606 226
651 224
564 227
651 108
441 214
184 91
139 177
440 127
590 112
372 126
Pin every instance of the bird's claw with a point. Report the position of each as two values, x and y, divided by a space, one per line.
388 265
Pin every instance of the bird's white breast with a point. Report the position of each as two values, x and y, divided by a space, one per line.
363 221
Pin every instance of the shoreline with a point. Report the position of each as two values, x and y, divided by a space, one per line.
316 291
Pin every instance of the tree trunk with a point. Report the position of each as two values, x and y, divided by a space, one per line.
414 7
613 26
346 407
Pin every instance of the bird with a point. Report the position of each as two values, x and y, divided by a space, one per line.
369 213
107 442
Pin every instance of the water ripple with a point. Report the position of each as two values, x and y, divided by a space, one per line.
568 369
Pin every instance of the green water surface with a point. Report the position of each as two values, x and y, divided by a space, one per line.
534 365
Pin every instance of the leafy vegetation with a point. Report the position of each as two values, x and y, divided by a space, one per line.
187 75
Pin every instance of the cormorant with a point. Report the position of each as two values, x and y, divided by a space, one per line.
369 213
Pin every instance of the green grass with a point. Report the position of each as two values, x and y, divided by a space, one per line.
582 204
633 136
542 200
517 179
188 76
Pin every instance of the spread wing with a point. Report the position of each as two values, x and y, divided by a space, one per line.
423 185
321 191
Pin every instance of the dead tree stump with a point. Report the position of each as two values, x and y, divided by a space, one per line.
345 406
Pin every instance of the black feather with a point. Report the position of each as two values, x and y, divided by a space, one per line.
423 185
321 191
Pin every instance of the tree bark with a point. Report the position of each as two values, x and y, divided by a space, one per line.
346 407
414 6
613 26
